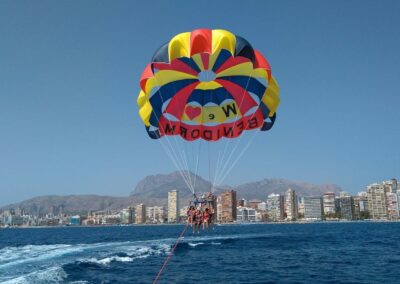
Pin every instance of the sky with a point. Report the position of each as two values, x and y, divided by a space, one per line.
69 79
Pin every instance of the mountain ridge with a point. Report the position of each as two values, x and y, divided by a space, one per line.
153 189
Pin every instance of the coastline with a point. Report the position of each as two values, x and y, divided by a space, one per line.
216 224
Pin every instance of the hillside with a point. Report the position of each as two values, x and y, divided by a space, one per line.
153 190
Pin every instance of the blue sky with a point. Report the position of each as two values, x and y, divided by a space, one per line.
69 74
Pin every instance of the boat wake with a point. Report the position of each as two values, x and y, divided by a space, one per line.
47 276
46 263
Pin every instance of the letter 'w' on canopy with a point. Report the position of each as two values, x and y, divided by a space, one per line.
202 87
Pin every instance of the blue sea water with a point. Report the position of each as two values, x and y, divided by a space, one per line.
354 252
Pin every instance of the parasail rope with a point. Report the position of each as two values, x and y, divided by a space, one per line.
175 162
170 253
180 166
197 168
256 131
244 149
180 149
224 165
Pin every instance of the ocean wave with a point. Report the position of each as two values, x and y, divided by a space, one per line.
48 276
129 254
108 260
11 256
195 244
223 238
19 261
18 255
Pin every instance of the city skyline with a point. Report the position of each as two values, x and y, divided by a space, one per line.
163 183
380 201
69 122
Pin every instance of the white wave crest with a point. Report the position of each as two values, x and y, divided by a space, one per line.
47 276
132 253
36 261
108 260
193 245
18 262
19 255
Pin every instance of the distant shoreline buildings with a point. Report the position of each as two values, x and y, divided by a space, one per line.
173 206
379 201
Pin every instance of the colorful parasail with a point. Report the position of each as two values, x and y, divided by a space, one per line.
207 84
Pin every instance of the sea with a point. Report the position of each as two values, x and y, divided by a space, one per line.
341 252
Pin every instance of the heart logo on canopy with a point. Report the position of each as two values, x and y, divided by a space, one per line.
192 112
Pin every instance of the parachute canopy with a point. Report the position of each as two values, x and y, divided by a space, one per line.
207 84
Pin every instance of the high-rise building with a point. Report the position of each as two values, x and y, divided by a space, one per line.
155 214
254 203
173 206
219 209
301 207
312 208
390 185
377 203
328 200
228 206
398 199
346 207
356 208
140 214
246 214
123 217
131 217
262 206
393 210
363 201
275 207
291 205
337 205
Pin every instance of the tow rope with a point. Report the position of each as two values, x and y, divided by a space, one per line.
170 254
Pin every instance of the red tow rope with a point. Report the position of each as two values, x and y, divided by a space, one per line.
170 254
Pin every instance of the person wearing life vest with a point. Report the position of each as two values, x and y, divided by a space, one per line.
199 220
190 214
206 218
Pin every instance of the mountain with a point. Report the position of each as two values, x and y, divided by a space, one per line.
71 204
153 190
156 186
261 189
